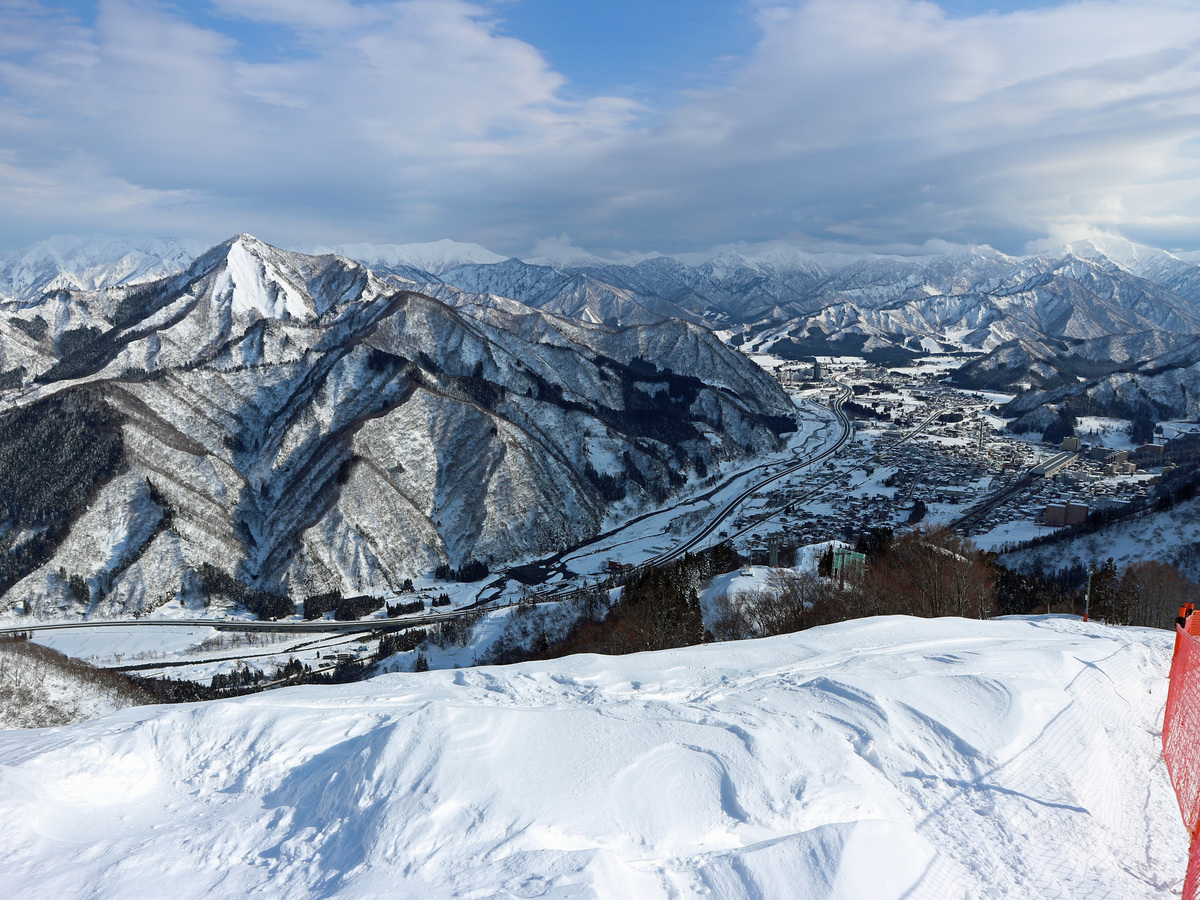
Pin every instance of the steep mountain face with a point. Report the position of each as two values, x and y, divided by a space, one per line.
300 424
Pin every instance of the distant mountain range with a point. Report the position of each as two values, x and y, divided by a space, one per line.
976 300
1108 322
264 422
71 262
1113 324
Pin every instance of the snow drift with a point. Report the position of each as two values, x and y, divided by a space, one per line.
889 757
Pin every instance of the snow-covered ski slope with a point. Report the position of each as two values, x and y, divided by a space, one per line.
884 758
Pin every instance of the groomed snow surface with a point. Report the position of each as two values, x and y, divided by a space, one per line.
884 758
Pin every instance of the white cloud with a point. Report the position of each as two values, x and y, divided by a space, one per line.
322 15
886 120
369 130
853 122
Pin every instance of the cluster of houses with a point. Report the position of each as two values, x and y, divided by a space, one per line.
957 461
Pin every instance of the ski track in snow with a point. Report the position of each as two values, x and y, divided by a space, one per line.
889 757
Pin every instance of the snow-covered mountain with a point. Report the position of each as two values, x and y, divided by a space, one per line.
977 298
70 262
1088 310
873 760
302 424
581 295
1155 389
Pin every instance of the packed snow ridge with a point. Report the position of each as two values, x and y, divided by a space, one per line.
882 758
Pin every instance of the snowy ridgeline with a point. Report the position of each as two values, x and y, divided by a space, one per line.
889 757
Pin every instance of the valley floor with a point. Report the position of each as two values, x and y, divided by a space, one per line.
888 757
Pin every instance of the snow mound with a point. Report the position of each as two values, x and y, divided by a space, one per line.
884 758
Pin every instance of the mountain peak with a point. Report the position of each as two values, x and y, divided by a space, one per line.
1132 257
258 279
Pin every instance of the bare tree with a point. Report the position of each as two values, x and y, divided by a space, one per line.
1152 593
934 572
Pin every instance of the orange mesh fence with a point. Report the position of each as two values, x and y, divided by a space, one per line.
1181 741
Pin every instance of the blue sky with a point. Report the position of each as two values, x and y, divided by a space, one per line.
660 46
529 125
650 48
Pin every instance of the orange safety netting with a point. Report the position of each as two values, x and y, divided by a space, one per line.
1181 741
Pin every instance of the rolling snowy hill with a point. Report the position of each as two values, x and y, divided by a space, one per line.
877 759
41 688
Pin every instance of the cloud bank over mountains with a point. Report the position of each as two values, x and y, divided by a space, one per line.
880 124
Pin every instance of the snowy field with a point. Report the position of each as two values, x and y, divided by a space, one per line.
1104 432
884 758
1171 536
195 653
112 645
1010 532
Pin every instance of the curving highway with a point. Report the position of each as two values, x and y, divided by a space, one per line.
728 510
557 593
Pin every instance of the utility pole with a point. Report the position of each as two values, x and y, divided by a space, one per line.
1087 595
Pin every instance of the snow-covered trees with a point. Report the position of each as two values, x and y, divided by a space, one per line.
790 601
54 456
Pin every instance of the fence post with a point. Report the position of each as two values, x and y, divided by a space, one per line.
1181 620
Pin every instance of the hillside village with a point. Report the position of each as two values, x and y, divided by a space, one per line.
961 456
